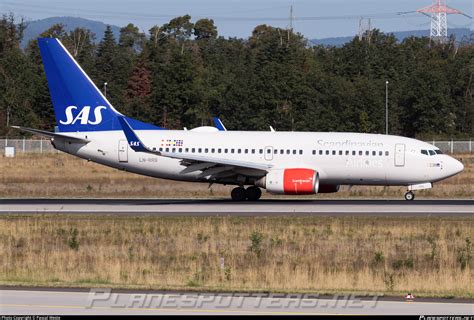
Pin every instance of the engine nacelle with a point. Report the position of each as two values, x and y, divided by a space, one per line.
328 188
290 181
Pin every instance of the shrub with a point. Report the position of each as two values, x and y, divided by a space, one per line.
256 239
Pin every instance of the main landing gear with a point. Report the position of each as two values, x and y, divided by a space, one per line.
409 195
241 194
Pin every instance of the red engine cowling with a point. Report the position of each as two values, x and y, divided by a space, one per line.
328 188
290 181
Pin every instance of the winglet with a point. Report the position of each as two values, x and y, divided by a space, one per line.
133 141
218 124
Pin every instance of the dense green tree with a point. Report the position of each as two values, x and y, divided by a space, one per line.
182 74
205 29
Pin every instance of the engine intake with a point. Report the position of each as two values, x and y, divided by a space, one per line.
290 181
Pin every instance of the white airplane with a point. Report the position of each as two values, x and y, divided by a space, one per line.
292 163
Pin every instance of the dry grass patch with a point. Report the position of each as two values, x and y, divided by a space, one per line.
427 256
62 175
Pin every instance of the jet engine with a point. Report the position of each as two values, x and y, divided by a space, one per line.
290 181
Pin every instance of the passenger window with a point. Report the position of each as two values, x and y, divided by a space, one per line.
232 150
173 150
432 153
269 150
360 152
367 153
154 149
314 152
226 150
161 149
219 150
386 153
380 153
253 151
213 150
193 150
275 151
287 151
340 152
301 151
347 152
327 152
374 153
239 150
167 149
353 152
294 151
260 151
199 150
334 152
321 152
206 150
424 152
282 151
180 150
246 151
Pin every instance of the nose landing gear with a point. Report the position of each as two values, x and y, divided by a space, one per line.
409 195
251 193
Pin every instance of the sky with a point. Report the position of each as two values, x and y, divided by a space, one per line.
314 19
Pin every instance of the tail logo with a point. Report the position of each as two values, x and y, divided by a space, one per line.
83 115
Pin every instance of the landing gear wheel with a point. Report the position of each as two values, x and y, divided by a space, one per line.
409 196
238 194
253 193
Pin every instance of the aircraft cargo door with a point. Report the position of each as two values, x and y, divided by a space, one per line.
123 151
399 155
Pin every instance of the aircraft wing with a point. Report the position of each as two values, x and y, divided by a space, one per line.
206 162
54 135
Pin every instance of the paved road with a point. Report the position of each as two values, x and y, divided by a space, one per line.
99 302
212 207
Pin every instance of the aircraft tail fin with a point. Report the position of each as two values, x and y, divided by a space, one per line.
78 104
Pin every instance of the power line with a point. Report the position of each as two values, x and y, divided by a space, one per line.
116 14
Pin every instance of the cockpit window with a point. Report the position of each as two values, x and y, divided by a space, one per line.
432 153
438 151
424 152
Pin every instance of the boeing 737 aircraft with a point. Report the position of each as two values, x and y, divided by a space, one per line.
292 163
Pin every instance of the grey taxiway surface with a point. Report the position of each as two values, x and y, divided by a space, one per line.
59 302
212 207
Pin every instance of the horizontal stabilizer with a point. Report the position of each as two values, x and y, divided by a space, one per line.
52 134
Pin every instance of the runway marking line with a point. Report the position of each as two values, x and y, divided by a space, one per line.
176 310
247 297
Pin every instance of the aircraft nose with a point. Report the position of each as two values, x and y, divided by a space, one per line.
455 166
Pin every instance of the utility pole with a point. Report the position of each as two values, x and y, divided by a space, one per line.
291 17
9 108
438 12
290 28
386 107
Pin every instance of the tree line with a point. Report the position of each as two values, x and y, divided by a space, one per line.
183 73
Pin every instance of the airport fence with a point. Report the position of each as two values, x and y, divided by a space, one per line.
44 145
